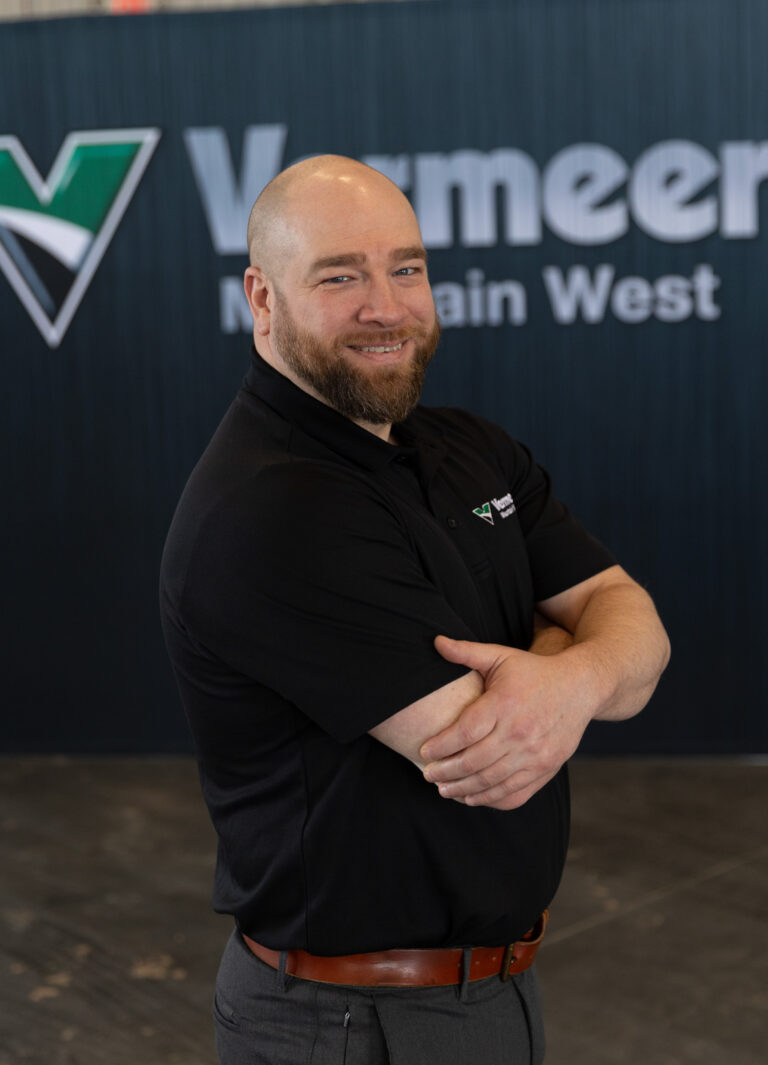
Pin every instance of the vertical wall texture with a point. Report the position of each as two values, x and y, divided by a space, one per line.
590 181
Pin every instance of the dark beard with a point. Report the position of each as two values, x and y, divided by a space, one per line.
383 396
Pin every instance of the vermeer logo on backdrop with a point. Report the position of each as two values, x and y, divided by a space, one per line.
54 232
675 192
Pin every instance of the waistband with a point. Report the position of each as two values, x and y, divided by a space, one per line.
408 968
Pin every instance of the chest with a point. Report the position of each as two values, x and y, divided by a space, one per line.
463 525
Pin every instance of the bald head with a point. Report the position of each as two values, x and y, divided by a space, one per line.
338 288
309 187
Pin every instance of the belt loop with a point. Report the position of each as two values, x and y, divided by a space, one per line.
466 968
282 979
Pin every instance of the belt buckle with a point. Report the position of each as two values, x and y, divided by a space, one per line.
507 962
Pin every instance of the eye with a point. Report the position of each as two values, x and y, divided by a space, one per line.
407 271
336 280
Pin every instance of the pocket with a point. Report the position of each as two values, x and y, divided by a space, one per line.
527 986
225 1014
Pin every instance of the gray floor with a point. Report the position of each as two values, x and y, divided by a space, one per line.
656 955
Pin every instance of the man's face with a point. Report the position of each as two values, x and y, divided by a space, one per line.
353 318
380 393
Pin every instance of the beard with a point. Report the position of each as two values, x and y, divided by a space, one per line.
376 395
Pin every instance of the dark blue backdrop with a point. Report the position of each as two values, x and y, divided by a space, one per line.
548 145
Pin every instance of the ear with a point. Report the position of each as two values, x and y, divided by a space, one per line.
258 292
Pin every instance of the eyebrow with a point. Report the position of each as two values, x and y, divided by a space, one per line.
358 258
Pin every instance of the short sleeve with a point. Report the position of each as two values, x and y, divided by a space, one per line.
303 580
561 552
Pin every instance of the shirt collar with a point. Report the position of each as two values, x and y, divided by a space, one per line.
321 422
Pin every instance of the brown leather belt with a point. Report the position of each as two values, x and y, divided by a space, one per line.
408 968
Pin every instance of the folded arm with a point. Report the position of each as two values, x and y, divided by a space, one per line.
496 735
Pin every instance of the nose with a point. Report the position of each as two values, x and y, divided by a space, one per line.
382 304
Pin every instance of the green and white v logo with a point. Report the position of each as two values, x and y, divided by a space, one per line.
54 232
484 512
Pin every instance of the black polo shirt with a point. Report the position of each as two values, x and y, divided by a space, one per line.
307 570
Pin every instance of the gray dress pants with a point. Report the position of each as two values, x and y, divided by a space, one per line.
263 1018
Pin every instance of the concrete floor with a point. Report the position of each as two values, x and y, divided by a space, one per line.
657 952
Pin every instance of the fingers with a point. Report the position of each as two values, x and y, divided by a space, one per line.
498 799
474 723
483 763
453 781
510 741
485 775
480 656
506 775
509 793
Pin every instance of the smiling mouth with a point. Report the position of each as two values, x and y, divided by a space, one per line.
381 350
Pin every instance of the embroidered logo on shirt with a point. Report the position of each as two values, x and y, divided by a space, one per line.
505 505
484 512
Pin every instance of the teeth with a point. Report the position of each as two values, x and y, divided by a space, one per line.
380 351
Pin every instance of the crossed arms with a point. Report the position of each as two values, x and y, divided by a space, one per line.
497 734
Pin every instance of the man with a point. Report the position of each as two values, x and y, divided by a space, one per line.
350 586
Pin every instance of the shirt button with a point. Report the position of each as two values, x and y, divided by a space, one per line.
452 523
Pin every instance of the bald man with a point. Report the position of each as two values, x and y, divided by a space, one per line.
389 637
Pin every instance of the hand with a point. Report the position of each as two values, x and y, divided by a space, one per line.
514 738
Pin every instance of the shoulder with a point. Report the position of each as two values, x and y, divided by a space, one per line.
302 509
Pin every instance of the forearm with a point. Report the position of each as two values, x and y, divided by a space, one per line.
619 649
548 638
510 741
406 731
511 723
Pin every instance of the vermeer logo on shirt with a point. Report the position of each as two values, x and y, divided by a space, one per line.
504 505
